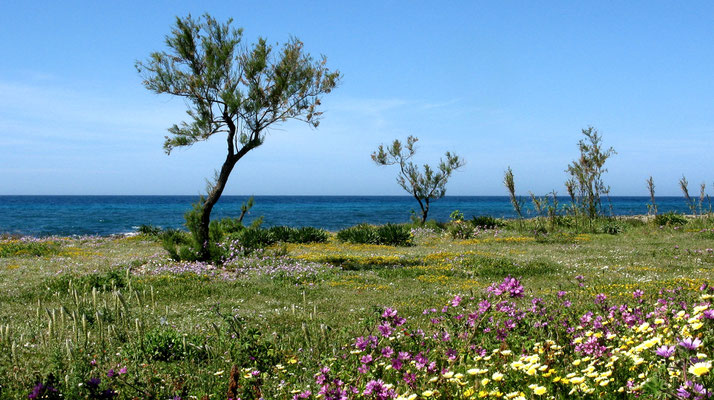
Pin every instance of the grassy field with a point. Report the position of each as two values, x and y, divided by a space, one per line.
116 318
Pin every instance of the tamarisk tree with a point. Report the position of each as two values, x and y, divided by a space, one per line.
586 173
233 91
424 186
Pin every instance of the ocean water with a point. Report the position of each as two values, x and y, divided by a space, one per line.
106 215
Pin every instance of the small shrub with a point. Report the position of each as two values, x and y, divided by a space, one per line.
394 235
670 218
227 226
173 241
254 238
85 283
166 344
149 230
308 234
487 222
460 230
612 228
359 234
283 233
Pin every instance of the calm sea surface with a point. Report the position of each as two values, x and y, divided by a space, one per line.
106 215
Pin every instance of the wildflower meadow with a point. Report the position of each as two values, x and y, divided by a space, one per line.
497 312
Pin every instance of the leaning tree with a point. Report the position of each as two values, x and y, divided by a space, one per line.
423 186
231 90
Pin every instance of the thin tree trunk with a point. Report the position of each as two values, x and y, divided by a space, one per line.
425 211
211 200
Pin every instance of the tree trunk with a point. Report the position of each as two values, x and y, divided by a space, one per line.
203 234
424 211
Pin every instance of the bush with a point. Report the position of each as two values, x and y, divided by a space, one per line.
359 234
389 235
226 226
461 230
283 233
149 230
670 218
173 240
166 344
253 238
612 227
308 234
394 235
487 222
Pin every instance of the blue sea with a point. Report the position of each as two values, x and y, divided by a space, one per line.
107 215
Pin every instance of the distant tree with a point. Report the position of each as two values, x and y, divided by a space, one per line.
424 186
586 173
510 184
684 185
652 207
237 91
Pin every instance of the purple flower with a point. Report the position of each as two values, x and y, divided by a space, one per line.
110 373
708 314
690 344
666 352
599 299
366 359
378 390
456 301
638 293
385 329
510 285
389 312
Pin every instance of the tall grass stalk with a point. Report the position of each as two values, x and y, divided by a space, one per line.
515 201
685 190
652 207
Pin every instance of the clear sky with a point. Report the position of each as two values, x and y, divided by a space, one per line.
500 83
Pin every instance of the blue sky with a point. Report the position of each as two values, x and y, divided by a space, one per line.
500 83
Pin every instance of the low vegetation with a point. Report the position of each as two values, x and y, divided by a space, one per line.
505 311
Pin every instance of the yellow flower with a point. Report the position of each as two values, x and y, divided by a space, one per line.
497 376
427 393
700 368
539 390
472 371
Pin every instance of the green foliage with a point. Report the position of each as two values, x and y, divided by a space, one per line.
247 346
254 238
471 228
612 227
498 267
226 226
308 234
238 90
670 218
456 215
586 185
510 184
394 235
359 234
167 344
107 280
388 235
149 231
16 248
424 186
487 222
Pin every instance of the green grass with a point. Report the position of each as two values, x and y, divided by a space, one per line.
65 303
